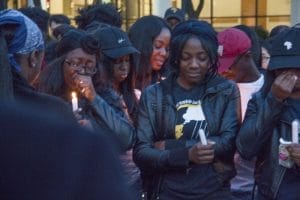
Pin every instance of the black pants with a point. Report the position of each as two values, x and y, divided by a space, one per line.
239 195
223 194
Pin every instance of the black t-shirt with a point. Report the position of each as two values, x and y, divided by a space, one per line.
200 181
190 115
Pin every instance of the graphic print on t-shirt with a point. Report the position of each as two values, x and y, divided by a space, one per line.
190 118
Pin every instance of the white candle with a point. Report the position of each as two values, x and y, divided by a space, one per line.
295 131
202 136
74 101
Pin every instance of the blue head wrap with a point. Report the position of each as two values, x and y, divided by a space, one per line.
27 37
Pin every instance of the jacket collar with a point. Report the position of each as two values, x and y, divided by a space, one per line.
215 84
287 117
20 84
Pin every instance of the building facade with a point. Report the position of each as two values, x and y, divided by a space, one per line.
220 13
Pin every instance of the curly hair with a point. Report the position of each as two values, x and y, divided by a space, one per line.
59 19
104 13
39 16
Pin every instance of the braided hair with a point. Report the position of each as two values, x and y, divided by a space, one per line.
201 30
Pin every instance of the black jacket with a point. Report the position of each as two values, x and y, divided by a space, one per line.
265 122
157 119
45 156
107 115
27 95
105 112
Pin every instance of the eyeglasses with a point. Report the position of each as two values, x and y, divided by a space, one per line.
82 69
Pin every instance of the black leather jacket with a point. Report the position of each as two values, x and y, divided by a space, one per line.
265 122
115 121
220 108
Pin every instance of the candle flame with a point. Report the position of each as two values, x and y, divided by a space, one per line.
74 95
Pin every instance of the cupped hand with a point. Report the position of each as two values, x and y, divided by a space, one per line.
294 150
85 86
283 85
202 154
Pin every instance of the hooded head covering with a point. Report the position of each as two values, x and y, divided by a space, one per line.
26 38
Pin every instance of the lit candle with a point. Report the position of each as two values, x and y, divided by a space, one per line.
295 131
74 101
202 136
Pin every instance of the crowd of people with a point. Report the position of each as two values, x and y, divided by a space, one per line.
171 109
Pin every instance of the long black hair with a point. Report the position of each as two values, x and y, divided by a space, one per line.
51 80
126 87
142 34
200 30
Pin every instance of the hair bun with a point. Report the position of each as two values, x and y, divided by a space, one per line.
74 39
90 44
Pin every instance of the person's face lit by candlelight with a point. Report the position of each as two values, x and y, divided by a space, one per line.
77 65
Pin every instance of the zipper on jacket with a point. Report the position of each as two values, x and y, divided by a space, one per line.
279 182
204 111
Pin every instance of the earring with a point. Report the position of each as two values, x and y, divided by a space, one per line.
33 65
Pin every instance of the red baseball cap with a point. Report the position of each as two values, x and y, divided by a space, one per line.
232 43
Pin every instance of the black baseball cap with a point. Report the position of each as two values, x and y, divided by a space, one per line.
285 50
114 42
174 13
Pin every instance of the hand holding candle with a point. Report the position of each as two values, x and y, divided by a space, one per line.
202 136
85 87
74 101
202 152
284 157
